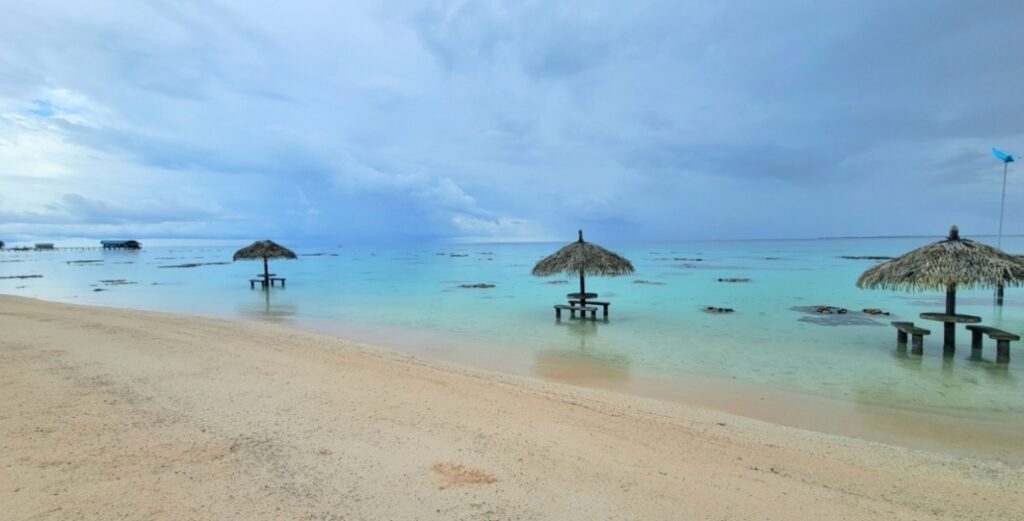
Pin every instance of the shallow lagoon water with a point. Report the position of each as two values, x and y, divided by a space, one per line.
410 297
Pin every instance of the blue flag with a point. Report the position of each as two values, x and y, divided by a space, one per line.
1003 156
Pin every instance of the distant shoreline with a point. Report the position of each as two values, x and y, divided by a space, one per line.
215 243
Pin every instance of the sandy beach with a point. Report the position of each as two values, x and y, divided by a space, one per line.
118 414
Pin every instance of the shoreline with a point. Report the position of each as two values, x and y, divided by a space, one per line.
942 431
956 432
111 412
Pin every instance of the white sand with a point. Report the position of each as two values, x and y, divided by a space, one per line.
113 414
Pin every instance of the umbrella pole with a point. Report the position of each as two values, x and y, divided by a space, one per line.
949 333
583 286
266 274
583 290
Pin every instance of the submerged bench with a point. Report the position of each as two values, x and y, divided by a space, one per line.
577 302
904 328
573 309
1003 339
263 282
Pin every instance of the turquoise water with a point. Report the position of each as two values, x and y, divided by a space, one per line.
655 329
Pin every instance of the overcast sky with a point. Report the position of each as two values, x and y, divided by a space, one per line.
358 121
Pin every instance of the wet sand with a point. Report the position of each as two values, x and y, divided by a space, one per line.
109 414
971 433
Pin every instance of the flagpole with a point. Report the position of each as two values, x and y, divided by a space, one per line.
1002 205
999 240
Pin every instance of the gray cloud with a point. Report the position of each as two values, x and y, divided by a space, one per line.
77 209
497 118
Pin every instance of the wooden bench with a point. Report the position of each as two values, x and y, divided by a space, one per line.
577 302
903 328
1003 339
573 309
263 282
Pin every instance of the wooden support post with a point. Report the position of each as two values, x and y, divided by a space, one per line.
949 328
949 339
901 337
976 343
1002 351
558 313
917 347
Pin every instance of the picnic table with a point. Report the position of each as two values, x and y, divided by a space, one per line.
950 320
587 300
269 279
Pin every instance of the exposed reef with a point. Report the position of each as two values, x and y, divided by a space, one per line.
717 310
193 264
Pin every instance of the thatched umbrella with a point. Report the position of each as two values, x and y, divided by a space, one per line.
946 265
583 258
264 250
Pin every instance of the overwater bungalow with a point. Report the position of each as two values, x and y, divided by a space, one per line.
121 245
44 245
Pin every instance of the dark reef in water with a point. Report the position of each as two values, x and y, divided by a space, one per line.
117 282
836 316
193 264
717 310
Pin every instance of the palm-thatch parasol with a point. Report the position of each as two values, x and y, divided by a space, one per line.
946 265
264 250
583 258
